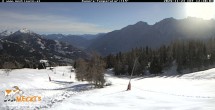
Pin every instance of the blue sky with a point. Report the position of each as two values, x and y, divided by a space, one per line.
88 18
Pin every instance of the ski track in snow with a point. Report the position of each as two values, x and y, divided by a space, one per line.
186 92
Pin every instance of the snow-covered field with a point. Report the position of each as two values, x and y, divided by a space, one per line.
195 91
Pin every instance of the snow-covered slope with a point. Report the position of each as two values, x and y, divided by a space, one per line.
35 82
186 92
158 93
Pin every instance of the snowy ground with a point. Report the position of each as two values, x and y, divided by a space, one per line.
35 82
187 92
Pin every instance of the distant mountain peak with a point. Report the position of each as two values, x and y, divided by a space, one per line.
165 22
24 30
138 25
141 23
168 19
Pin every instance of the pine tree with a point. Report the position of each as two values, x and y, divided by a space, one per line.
155 67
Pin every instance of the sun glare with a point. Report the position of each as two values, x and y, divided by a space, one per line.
200 10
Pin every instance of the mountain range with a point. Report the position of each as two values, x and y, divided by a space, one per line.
142 34
163 32
80 41
26 47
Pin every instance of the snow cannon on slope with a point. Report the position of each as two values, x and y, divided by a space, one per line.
129 86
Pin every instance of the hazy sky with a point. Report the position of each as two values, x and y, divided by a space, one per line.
92 18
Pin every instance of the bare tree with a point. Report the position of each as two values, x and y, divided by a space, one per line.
96 71
81 70
92 71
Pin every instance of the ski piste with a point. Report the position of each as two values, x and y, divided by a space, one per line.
65 92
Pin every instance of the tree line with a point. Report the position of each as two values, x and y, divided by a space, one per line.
187 55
